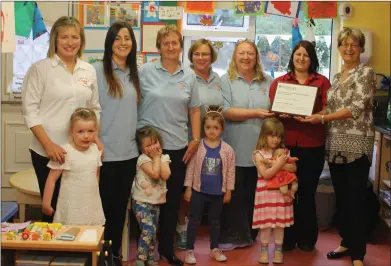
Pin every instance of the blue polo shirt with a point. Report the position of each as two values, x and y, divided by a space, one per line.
118 120
210 94
243 135
165 102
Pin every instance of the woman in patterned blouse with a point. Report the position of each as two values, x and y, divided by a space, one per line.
349 142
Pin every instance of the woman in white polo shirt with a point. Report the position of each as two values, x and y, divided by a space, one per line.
169 98
52 89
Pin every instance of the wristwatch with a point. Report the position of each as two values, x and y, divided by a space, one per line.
322 119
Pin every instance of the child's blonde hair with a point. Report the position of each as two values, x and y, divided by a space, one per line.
84 114
147 132
271 126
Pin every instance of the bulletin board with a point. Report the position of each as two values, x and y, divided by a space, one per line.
145 17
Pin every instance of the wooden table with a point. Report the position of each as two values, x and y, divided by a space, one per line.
59 245
27 190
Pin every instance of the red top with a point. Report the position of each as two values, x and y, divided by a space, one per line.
304 134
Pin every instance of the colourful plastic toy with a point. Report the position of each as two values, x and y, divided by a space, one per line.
35 236
25 235
10 235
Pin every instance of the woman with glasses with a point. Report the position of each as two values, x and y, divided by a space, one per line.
349 143
305 141
245 91
201 55
169 98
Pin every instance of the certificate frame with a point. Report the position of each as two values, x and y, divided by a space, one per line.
295 99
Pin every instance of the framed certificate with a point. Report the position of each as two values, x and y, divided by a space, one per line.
294 99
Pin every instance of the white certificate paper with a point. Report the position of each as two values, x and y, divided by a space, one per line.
294 99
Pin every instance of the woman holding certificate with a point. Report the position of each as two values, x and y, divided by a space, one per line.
349 143
245 91
305 141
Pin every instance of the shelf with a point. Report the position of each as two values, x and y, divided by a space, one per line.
387 221
387 183
388 204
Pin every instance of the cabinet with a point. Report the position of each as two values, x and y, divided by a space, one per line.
384 175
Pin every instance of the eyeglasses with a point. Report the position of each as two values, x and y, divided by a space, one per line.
201 55
351 45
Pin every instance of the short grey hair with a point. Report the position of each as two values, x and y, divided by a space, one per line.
353 33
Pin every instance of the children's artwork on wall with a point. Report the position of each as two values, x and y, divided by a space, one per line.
285 9
95 15
92 57
170 12
200 7
140 60
151 57
150 11
8 38
322 9
129 13
137 35
249 8
149 37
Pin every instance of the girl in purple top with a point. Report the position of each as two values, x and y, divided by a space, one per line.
210 177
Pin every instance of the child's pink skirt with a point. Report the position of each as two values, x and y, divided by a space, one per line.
270 209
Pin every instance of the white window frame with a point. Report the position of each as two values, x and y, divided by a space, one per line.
244 28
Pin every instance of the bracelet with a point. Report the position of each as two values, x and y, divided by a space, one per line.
322 119
197 140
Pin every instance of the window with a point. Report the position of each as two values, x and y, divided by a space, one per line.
274 41
222 20
28 51
272 35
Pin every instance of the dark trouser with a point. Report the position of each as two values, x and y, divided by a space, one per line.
350 185
197 203
116 179
309 168
237 216
169 210
42 172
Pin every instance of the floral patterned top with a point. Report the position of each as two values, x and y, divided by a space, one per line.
349 139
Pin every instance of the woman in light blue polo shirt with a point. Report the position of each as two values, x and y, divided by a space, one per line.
119 93
202 55
169 98
246 102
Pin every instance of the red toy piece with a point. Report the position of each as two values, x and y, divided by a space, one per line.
25 236
35 236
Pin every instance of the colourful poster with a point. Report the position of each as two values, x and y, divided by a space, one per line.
195 7
249 8
322 9
286 8
8 39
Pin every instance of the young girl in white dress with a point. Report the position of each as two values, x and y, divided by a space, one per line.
79 201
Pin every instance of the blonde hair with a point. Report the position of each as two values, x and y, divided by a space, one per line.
197 45
84 114
164 32
353 33
233 71
65 22
270 127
